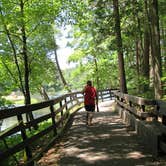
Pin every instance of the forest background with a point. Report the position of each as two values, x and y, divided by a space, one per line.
115 44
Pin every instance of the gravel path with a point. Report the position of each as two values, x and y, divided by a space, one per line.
107 143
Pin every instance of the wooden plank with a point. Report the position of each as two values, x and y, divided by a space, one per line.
16 128
135 99
12 150
139 100
20 146
28 108
161 107
162 146
53 119
24 109
24 137
12 130
23 144
132 110
33 107
161 127
38 120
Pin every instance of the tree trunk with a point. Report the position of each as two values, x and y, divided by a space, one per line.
151 69
145 62
59 69
21 86
145 68
155 45
137 45
27 96
97 74
123 87
43 93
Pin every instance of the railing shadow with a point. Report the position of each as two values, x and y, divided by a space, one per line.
105 143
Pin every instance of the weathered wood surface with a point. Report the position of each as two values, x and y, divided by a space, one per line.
59 113
147 110
137 105
109 142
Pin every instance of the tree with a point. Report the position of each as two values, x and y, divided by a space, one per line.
123 86
59 69
155 45
20 20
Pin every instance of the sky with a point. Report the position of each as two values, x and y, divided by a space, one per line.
64 52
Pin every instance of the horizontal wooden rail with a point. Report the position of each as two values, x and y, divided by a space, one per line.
144 109
58 114
137 105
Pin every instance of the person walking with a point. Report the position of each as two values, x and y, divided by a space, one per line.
90 99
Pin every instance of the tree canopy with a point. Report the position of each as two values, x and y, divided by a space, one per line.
117 44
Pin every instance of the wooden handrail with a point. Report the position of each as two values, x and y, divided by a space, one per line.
130 102
63 104
139 107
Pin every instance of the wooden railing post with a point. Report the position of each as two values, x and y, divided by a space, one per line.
130 103
53 119
164 120
24 137
66 104
60 104
101 96
117 97
71 99
110 94
143 108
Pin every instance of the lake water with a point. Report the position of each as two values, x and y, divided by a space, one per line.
8 122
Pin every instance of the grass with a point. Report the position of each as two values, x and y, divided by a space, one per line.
21 102
36 146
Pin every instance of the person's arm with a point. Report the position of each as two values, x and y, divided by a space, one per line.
97 102
83 91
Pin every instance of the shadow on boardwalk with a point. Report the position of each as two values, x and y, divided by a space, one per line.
106 143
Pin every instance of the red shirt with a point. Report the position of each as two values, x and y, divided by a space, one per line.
89 95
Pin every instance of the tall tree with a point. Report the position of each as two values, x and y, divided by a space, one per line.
117 27
25 54
155 45
21 20
65 84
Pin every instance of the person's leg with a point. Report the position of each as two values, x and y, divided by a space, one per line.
90 118
91 114
87 108
86 117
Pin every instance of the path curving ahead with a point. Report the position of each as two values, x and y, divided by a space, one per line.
107 143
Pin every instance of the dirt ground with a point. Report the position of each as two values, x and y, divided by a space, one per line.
107 143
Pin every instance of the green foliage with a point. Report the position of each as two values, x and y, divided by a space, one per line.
93 42
11 142
15 139
4 102
37 18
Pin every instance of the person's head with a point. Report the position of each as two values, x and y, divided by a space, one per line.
89 83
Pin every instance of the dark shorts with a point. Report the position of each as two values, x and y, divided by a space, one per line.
90 108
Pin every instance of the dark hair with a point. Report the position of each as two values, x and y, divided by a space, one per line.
89 83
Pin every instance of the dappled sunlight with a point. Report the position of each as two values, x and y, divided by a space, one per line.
104 136
117 130
106 142
135 155
75 150
93 157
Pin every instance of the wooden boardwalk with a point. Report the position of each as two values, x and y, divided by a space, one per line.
107 143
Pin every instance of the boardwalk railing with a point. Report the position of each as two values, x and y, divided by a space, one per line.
146 117
58 113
